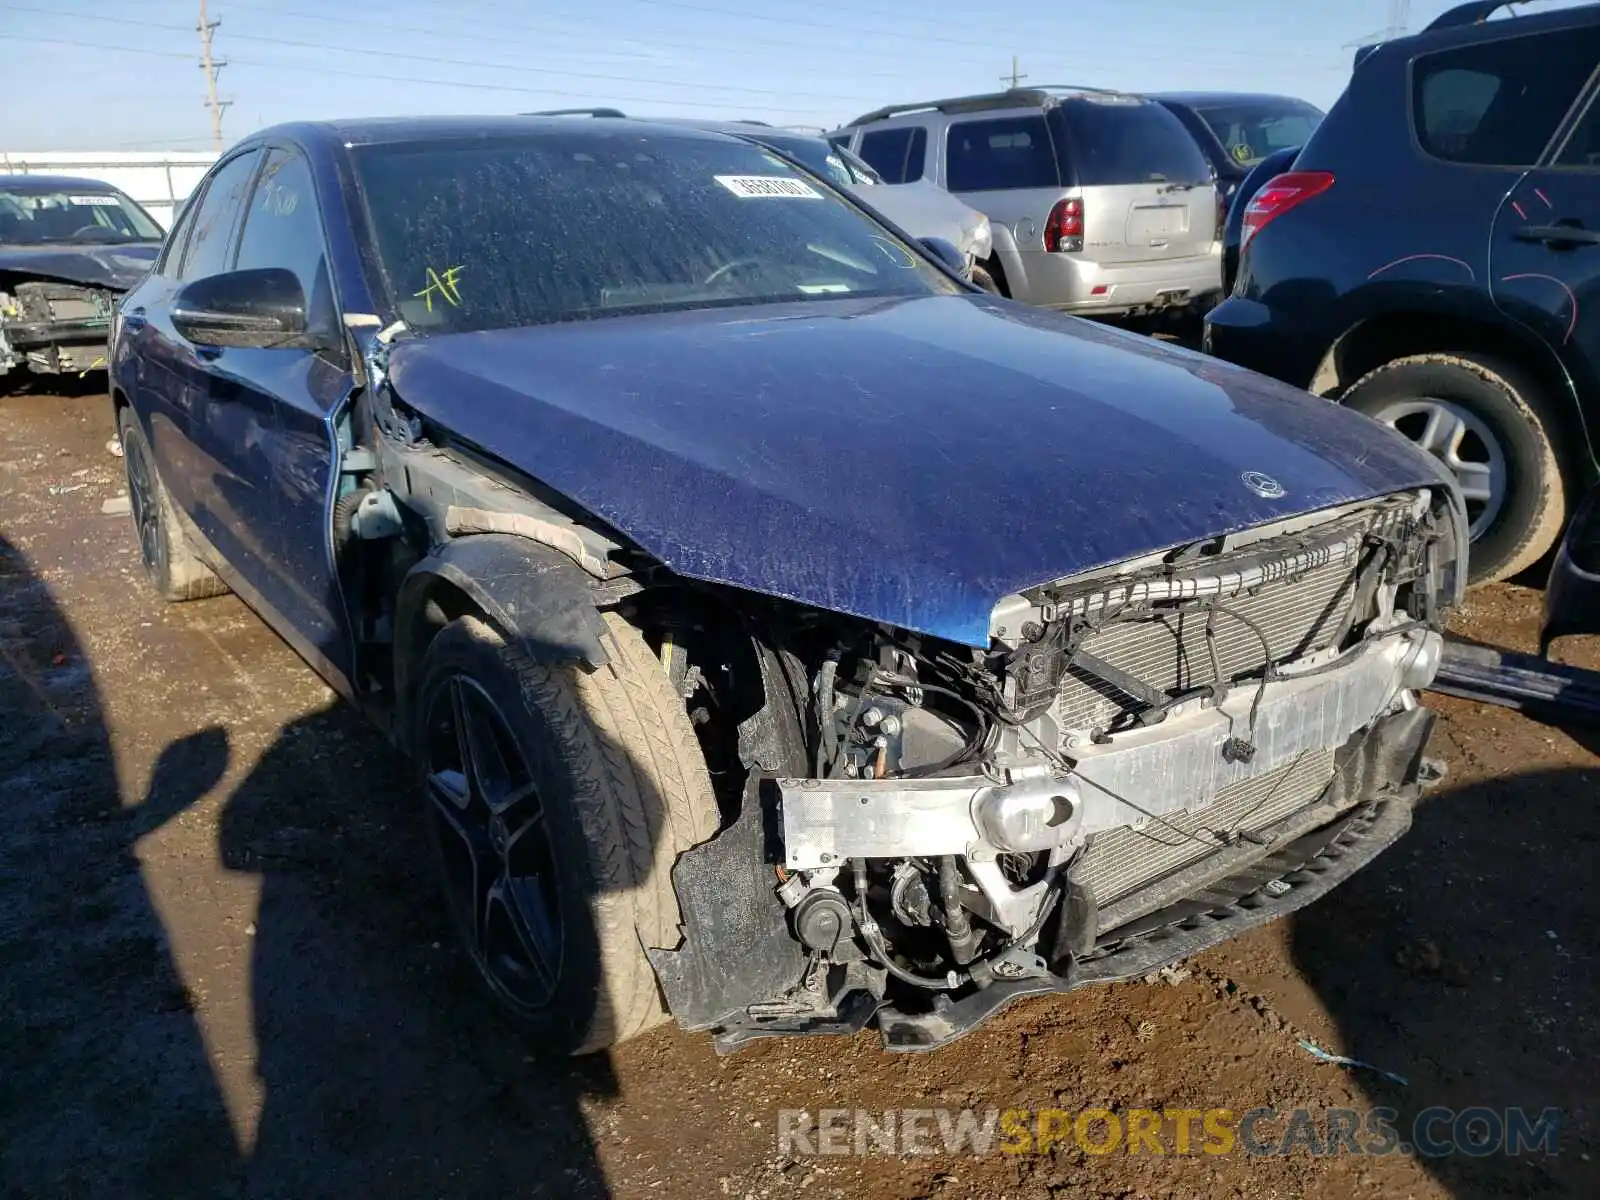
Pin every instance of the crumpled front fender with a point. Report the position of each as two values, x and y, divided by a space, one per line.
534 595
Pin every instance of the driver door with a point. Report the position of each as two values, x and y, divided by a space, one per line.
300 392
205 435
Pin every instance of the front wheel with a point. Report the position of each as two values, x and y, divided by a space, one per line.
559 799
1487 422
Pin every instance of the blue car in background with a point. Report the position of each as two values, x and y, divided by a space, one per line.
788 635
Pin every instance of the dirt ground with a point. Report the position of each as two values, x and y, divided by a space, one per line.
224 970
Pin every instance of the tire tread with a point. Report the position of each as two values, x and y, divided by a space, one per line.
642 796
1524 394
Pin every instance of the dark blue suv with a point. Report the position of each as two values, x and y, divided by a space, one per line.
1432 258
787 633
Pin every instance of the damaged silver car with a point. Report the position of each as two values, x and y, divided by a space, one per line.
68 249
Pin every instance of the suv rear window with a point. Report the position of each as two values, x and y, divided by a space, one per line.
1121 142
991 156
1498 103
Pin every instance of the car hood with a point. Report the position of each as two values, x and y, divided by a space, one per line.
923 209
118 267
909 461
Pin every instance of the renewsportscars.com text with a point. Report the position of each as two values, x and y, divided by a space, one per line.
1432 1132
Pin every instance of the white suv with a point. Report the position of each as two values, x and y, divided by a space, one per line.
1100 201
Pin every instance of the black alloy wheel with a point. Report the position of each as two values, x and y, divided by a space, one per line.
495 846
145 503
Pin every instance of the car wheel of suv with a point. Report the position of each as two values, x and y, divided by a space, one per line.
169 560
1484 419
559 799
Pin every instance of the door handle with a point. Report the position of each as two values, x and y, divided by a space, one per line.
1559 236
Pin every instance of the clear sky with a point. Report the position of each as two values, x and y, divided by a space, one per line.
110 74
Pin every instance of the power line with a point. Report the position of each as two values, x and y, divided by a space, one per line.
479 64
894 36
82 45
358 74
463 30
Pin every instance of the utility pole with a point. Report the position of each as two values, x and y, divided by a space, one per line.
1399 18
1016 75
212 67
1399 25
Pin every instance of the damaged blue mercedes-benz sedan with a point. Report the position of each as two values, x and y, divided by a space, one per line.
788 635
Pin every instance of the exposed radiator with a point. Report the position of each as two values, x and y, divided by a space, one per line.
1121 861
1169 650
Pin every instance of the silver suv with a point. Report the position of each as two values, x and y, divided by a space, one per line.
1100 201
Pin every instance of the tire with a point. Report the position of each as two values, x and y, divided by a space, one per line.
1506 439
983 279
609 786
169 559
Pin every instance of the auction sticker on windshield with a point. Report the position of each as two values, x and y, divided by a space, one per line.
94 201
749 187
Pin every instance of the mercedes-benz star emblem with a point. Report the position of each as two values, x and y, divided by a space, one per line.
1263 485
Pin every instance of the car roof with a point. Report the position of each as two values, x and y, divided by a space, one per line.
1202 99
1044 96
757 131
1466 24
55 183
375 131
1478 12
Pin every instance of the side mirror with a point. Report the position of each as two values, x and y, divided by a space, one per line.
946 253
259 307
1572 597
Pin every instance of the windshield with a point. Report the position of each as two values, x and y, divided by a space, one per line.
834 163
860 170
486 234
1250 132
29 217
814 155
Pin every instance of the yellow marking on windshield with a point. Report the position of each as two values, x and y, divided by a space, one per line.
445 285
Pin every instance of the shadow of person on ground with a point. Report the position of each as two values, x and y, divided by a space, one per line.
1465 958
386 1069
105 1084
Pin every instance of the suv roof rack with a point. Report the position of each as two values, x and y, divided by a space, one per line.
1472 14
576 112
1010 98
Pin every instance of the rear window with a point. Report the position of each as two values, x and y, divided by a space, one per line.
1117 142
992 156
896 154
1251 132
1499 103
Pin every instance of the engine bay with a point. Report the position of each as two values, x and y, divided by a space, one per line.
52 327
974 820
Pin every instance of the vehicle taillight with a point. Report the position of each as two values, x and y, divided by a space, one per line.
1063 229
1277 196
